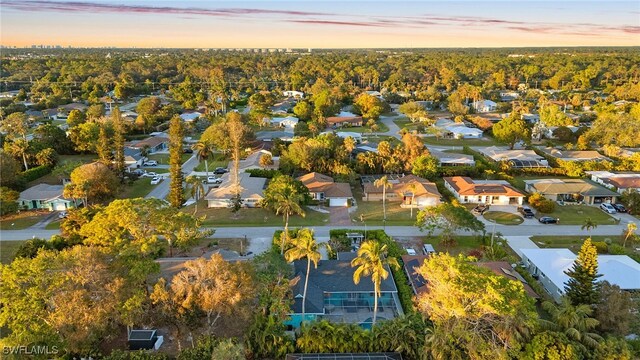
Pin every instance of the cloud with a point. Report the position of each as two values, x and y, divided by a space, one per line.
85 7
345 23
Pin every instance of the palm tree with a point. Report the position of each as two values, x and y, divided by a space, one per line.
20 147
575 321
631 228
384 183
304 246
196 188
283 197
205 151
412 187
371 261
589 224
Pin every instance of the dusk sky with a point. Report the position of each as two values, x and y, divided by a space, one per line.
319 24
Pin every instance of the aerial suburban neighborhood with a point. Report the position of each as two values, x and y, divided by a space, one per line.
346 200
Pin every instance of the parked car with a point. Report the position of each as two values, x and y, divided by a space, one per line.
548 220
220 170
188 150
214 180
411 251
608 208
63 215
156 180
480 209
620 208
150 163
526 211
149 174
428 249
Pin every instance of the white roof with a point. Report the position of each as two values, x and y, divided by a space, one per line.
484 103
190 116
346 134
618 270
461 129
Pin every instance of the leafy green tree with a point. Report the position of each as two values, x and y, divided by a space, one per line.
196 190
551 115
266 338
412 110
204 151
425 166
266 160
450 218
118 142
51 136
511 129
613 309
9 170
551 345
75 118
582 287
47 157
176 195
104 147
372 260
8 201
369 106
95 112
285 198
304 246
574 321
303 110
16 126
93 183
475 313
85 136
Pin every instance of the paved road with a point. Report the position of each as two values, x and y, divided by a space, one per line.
393 128
162 190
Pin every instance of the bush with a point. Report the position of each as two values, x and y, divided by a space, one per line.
264 173
601 247
35 173
8 201
615 249
542 204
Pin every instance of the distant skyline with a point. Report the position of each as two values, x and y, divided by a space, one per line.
319 24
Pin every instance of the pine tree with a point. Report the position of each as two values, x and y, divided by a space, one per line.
118 142
176 196
103 147
582 287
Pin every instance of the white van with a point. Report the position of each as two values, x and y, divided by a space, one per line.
428 249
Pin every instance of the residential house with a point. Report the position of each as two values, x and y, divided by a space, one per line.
45 196
323 188
410 190
285 122
283 107
509 95
619 182
484 106
549 267
133 158
332 295
153 143
293 94
452 159
497 192
190 116
530 118
354 135
74 106
574 155
251 192
345 356
548 131
364 148
571 191
456 130
516 158
340 121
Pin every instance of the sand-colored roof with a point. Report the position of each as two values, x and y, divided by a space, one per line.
317 182
403 185
466 186
251 188
568 186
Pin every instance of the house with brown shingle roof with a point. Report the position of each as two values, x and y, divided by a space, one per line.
497 192
340 121
155 143
410 190
619 182
323 188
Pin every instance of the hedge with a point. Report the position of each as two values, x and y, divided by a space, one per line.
263 173
35 173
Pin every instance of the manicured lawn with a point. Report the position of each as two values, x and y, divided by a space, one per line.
464 244
373 213
572 242
8 250
576 215
163 159
520 180
22 220
218 160
503 218
485 141
54 225
156 170
85 158
139 188
254 217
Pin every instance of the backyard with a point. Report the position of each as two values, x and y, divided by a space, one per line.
577 214
464 244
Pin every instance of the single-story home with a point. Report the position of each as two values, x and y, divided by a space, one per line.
365 148
289 121
410 190
154 143
549 266
453 159
548 133
497 192
454 130
283 107
483 106
251 192
45 196
619 182
340 121
332 295
509 95
323 188
293 94
517 158
190 116
354 135
574 155
571 191
133 159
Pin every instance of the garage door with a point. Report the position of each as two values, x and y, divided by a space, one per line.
59 206
338 202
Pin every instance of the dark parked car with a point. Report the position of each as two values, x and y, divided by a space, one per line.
525 211
548 220
188 150
220 170
620 208
480 209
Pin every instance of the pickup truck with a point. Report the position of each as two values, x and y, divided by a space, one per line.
526 211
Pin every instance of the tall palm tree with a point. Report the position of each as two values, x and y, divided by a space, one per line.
575 321
304 246
631 229
284 198
412 187
589 224
196 189
204 152
384 183
371 261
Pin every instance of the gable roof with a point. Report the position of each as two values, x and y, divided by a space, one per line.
423 187
340 119
251 188
498 153
152 142
568 186
42 192
577 155
466 186
317 182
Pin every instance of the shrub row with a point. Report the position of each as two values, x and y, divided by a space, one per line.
35 173
264 173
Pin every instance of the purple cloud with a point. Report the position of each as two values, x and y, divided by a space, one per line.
344 23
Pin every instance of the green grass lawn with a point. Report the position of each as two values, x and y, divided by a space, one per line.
254 217
163 159
373 213
22 220
156 170
405 123
464 244
85 158
139 188
503 218
576 215
8 250
54 225
520 180
571 242
218 160
485 141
